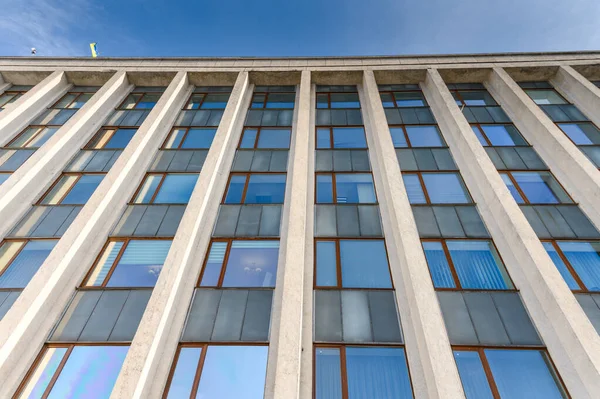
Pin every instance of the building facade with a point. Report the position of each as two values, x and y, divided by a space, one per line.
328 228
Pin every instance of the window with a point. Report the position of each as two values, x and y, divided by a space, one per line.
473 98
341 137
72 189
584 133
240 263
507 373
12 95
68 371
351 264
128 263
545 97
402 99
465 264
337 100
190 138
4 177
218 371
505 135
21 259
140 101
416 136
277 100
357 372
166 188
578 262
436 188
208 100
255 188
33 137
73 100
111 139
535 188
345 188
265 138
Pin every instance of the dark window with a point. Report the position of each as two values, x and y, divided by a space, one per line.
584 133
12 95
535 188
351 264
466 264
33 137
578 262
403 99
72 189
190 138
341 137
473 98
265 138
436 188
207 101
241 263
545 97
505 135
255 188
416 136
74 100
347 100
128 263
21 259
345 188
273 100
140 101
111 139
166 188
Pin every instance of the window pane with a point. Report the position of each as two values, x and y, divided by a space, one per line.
199 138
258 101
148 101
424 136
39 380
414 189
195 101
479 136
478 265
328 373
398 137
22 269
511 187
233 372
472 375
540 187
410 99
386 100
349 137
42 137
140 264
215 101
212 269
235 189
477 98
148 189
120 139
185 371
377 373
24 137
324 189
545 97
345 100
130 101
252 264
81 100
274 138
83 190
248 138
503 135
281 100
326 264
63 185
4 177
322 101
364 264
438 265
265 189
323 138
581 133
585 259
65 100
109 255
355 188
560 265
90 372
176 189
446 188
523 374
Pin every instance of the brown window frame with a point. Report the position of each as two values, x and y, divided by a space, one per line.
9 145
88 145
464 105
187 129
331 127
158 187
329 93
12 259
509 173
77 94
334 188
259 129
142 95
583 288
392 92
79 176
487 140
203 94
266 100
426 193
246 184
407 138
14 94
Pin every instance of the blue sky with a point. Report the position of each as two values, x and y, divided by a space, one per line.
296 27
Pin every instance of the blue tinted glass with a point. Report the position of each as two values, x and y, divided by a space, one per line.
83 190
345 100
511 187
252 264
445 188
90 372
386 100
215 101
540 187
477 98
120 138
54 356
581 133
235 189
176 189
479 136
560 265
414 188
377 373
585 259
478 265
328 373
248 138
322 101
503 135
265 189
523 374
4 177
185 372
326 264
438 265
214 264
398 137
364 264
199 138
424 136
323 138
274 138
409 99
140 264
148 101
324 189
281 100
355 188
26 264
233 372
472 375
349 137
545 97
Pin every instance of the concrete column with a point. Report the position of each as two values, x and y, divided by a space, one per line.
571 167
25 327
580 91
3 85
28 183
432 367
285 348
26 108
148 362
568 334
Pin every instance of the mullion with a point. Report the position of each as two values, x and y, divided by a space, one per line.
486 138
344 372
185 135
334 188
245 191
115 262
158 187
201 103
451 265
423 187
406 136
488 373
258 131
198 374
224 265
514 182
